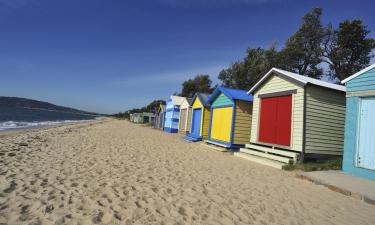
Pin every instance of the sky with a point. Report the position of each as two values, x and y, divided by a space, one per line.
112 55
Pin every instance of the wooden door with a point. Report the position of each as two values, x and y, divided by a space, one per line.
276 120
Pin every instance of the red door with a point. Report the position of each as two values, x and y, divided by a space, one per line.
276 120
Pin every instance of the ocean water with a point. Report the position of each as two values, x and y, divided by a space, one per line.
21 118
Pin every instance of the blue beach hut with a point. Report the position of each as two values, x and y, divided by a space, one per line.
172 114
230 117
359 147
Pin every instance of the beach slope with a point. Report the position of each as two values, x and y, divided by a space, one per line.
115 172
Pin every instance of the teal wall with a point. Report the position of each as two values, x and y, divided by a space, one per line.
364 82
222 100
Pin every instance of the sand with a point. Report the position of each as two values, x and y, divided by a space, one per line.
115 172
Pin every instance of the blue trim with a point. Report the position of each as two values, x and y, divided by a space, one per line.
170 130
222 106
231 94
232 127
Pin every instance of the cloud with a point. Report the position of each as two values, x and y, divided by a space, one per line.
210 3
167 78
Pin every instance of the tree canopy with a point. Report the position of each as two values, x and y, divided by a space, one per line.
345 51
200 83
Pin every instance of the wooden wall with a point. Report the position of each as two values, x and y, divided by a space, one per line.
325 120
206 122
242 122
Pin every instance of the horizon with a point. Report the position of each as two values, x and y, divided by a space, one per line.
114 56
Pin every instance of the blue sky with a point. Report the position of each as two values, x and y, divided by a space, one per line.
112 55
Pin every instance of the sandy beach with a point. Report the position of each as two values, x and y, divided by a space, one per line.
115 172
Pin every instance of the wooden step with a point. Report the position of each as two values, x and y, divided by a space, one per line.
217 148
293 155
215 143
266 155
260 160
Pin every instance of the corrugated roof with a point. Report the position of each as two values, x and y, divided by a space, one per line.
234 94
177 100
358 73
203 97
299 78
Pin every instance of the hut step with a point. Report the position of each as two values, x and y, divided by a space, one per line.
266 155
260 160
293 155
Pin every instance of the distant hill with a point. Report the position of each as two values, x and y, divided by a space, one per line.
34 104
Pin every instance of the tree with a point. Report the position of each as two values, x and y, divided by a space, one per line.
303 52
200 83
348 49
244 74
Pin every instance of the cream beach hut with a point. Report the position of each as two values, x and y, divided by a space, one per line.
295 117
185 117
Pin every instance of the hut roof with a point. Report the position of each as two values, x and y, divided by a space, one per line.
297 78
177 100
233 94
358 73
203 97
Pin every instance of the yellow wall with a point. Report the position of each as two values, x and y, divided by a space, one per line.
221 124
275 83
197 103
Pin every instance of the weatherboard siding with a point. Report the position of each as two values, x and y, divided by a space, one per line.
278 84
206 122
188 126
222 100
364 82
325 121
242 122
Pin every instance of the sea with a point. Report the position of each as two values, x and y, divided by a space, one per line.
13 118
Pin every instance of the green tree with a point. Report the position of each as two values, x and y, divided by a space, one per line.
303 52
348 49
200 83
244 74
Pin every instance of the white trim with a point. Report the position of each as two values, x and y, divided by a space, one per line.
358 73
299 78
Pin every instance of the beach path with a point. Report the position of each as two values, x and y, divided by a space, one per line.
116 172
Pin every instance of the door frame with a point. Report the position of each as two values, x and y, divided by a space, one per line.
192 121
271 95
233 106
358 129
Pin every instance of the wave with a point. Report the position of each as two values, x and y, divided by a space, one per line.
9 125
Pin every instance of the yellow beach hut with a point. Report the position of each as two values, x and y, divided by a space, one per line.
200 118
295 117
230 117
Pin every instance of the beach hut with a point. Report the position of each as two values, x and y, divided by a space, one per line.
185 117
295 117
359 147
148 117
137 118
172 114
230 117
200 118
159 117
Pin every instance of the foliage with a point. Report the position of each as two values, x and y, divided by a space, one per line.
200 83
316 166
151 107
302 52
345 50
348 49
245 74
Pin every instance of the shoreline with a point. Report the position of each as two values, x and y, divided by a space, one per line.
16 131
